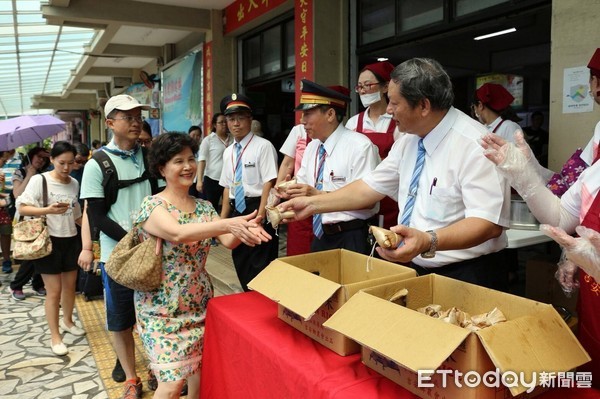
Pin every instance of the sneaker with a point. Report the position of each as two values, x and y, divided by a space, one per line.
7 267
40 292
133 389
118 374
19 295
152 382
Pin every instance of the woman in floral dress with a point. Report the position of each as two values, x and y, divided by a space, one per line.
171 319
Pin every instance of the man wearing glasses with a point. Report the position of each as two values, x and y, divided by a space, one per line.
123 117
249 172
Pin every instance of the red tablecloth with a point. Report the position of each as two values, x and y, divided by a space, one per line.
250 353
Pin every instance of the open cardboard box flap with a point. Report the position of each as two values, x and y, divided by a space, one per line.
288 285
409 338
534 343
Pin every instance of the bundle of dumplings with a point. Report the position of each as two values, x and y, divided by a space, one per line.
463 319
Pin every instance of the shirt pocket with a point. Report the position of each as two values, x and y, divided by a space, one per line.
251 172
444 203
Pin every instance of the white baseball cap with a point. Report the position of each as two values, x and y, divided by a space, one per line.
123 102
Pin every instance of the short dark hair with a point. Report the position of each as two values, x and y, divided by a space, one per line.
194 127
82 149
424 78
215 118
165 147
146 128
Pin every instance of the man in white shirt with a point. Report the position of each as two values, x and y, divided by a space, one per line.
453 207
249 172
334 158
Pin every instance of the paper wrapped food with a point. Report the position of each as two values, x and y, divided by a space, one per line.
275 216
282 187
385 238
463 319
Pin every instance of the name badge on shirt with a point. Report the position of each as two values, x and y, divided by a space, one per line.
250 165
338 178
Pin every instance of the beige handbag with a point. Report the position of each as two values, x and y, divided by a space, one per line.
134 264
30 237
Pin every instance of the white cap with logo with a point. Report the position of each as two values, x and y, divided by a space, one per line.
123 102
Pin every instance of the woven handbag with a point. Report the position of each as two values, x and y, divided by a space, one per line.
134 264
31 239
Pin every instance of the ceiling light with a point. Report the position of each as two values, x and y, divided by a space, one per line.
381 59
502 32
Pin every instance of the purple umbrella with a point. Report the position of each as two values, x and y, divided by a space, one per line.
28 129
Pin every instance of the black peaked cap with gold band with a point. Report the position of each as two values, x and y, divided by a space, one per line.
235 102
314 95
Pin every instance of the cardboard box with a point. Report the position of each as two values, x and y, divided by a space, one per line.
398 341
310 288
542 286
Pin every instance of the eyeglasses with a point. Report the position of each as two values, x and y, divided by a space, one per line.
144 142
365 86
129 119
221 123
237 118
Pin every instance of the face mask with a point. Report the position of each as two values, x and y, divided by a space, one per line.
368 99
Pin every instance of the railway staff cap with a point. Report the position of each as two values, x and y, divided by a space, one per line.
314 95
235 102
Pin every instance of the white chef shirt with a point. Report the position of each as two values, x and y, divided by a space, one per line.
259 163
382 125
350 156
506 130
457 182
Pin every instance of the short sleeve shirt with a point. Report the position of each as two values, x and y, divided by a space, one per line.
59 225
211 151
127 206
457 182
295 145
349 157
258 163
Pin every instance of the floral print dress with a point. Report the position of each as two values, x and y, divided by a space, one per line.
170 320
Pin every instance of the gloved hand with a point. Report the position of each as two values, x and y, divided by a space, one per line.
566 275
515 162
583 251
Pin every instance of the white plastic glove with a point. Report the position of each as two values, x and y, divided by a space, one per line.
583 251
515 162
566 274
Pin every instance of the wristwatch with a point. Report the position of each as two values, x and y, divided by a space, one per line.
430 253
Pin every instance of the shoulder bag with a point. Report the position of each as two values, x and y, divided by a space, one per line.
30 236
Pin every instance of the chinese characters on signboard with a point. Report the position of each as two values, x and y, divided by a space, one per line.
303 26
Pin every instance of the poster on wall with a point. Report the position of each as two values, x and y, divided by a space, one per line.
182 94
576 86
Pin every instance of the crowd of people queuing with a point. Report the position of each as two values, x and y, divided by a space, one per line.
410 161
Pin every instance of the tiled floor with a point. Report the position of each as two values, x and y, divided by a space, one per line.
29 369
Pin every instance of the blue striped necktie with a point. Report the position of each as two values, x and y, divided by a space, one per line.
240 202
317 219
414 185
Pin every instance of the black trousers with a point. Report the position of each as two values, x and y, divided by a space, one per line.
353 240
249 261
26 272
212 192
489 271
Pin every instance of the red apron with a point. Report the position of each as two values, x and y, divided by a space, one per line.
589 304
384 141
299 234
